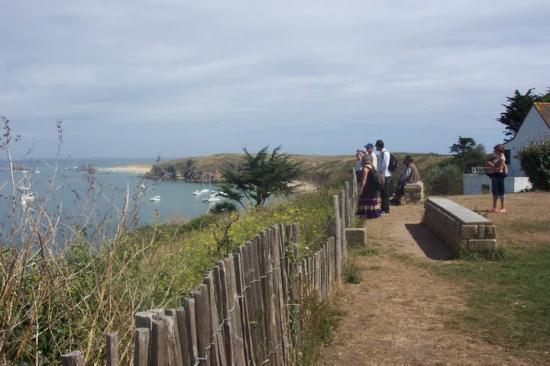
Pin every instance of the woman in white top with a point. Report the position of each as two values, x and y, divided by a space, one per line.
497 174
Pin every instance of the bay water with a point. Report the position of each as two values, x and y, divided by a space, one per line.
66 190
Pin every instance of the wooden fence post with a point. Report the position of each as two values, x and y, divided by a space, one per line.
72 359
348 203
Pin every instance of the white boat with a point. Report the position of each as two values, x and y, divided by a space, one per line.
23 188
206 190
197 193
154 199
213 198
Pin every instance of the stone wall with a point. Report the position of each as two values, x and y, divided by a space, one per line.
459 227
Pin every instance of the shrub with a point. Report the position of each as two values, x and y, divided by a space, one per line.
351 272
223 207
535 162
444 179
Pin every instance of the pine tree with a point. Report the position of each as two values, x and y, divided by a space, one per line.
259 177
516 111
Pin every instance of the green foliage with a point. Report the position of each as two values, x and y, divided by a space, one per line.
535 162
351 272
444 179
320 320
260 176
71 298
223 207
467 153
464 145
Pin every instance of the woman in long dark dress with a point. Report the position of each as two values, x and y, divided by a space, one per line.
368 206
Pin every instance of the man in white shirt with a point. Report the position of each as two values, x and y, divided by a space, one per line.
383 167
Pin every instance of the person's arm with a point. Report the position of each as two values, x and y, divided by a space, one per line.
406 174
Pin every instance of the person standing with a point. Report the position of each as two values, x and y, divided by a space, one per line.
384 157
367 206
499 171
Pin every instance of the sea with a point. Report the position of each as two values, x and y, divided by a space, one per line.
66 190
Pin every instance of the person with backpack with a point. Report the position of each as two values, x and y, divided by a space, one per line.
367 206
387 163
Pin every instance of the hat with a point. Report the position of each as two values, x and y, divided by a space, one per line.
362 151
369 146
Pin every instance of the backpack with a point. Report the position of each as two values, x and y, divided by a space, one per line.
393 163
378 178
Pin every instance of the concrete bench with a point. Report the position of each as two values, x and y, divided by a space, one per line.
459 227
413 193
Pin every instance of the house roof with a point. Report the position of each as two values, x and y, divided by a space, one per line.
544 111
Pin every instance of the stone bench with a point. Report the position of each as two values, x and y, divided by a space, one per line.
459 227
413 193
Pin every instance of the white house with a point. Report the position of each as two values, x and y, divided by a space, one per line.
535 127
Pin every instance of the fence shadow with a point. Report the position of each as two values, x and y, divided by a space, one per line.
432 247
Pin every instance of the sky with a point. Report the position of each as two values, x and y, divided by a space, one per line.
185 78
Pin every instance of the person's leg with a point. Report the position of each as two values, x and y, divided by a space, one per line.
501 193
494 191
385 196
398 194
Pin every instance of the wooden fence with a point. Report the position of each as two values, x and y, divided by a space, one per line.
242 312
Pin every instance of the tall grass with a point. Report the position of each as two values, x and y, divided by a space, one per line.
64 282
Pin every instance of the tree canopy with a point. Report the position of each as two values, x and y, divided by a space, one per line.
260 176
467 153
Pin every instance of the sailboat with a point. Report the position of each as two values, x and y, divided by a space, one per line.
154 199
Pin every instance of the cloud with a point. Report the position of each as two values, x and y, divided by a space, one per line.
175 78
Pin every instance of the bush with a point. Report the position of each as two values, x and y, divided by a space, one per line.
444 179
535 162
223 207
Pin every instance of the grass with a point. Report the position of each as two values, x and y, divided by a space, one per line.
54 303
350 272
509 299
320 321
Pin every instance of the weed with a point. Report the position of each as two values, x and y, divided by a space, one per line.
320 320
492 255
367 252
351 272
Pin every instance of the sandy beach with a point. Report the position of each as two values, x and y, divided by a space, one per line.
131 168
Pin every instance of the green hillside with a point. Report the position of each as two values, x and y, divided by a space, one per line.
317 169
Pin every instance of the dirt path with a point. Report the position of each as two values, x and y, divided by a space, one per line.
402 313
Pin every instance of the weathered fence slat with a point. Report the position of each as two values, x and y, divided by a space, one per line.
141 347
111 349
159 337
202 313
